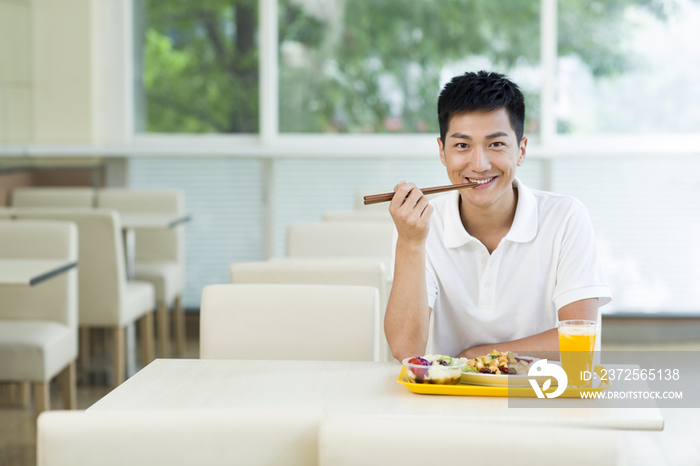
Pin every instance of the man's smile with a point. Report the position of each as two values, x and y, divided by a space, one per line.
483 182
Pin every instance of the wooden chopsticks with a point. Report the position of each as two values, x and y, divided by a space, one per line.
385 197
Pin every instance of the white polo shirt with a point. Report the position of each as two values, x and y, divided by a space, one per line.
547 260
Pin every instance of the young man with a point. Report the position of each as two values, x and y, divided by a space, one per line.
498 263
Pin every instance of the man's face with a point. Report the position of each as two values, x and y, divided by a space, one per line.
481 146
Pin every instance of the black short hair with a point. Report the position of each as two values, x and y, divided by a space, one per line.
484 90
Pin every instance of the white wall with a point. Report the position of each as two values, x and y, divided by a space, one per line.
63 71
62 84
15 72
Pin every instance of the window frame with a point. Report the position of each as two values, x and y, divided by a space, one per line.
269 142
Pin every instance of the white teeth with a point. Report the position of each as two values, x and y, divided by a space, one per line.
480 181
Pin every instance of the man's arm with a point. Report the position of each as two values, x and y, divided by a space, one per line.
586 309
407 319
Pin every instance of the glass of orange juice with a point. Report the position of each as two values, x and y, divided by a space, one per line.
576 344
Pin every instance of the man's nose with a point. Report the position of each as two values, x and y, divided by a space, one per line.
479 161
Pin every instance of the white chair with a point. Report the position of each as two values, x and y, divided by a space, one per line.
355 272
302 322
358 239
415 441
6 213
53 197
39 324
159 255
106 299
256 437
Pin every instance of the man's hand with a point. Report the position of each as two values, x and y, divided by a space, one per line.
411 212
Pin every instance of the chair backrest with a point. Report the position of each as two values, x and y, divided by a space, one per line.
53 197
55 299
151 245
355 272
101 272
357 215
381 440
340 239
256 437
303 322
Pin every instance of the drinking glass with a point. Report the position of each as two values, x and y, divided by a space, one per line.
576 345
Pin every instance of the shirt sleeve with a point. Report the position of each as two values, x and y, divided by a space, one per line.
579 272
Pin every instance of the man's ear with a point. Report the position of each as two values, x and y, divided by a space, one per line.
441 148
523 147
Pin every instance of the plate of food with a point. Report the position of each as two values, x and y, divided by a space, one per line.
500 368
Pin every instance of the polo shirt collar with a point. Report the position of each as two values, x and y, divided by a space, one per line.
455 233
525 223
524 226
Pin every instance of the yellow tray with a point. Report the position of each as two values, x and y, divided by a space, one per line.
463 389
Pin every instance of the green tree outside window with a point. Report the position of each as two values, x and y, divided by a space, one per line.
356 66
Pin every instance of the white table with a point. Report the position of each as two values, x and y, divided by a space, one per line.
339 388
29 272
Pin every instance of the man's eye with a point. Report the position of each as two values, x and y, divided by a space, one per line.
462 145
498 144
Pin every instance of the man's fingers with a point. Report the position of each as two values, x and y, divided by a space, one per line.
419 209
413 198
402 192
400 183
410 210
